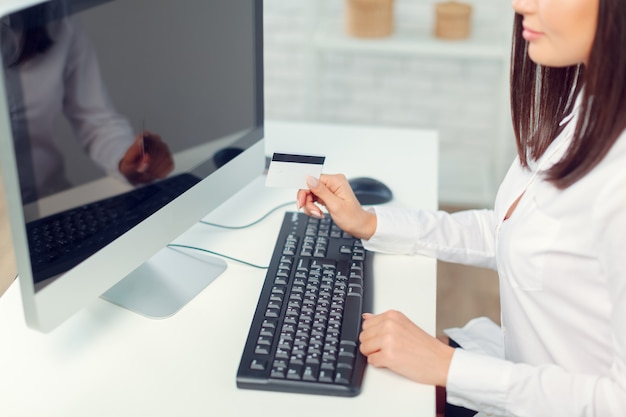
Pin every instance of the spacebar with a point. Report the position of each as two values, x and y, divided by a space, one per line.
351 324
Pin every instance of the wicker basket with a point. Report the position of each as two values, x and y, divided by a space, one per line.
453 20
369 18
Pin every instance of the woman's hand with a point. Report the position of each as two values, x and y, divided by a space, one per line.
334 192
147 159
391 340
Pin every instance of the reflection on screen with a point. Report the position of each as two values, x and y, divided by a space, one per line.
116 111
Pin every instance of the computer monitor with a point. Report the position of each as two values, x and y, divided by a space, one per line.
190 71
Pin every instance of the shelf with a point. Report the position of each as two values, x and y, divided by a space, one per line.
417 41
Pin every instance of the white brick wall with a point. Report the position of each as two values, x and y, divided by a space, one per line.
463 98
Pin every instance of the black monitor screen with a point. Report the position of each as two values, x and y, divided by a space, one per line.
107 97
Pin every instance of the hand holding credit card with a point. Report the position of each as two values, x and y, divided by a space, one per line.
290 170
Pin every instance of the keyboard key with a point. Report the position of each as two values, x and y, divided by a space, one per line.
326 376
261 350
294 372
343 376
351 325
258 365
311 372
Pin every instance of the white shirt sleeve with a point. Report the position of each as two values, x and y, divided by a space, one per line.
466 237
503 388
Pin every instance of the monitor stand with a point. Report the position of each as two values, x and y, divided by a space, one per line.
165 283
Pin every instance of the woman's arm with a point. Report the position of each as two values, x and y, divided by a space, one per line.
505 388
465 237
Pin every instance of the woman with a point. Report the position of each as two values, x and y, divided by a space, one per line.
556 235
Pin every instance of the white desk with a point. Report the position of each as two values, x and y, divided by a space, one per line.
106 361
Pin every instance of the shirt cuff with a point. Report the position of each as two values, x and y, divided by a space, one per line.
478 382
396 230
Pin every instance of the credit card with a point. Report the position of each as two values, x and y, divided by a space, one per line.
290 170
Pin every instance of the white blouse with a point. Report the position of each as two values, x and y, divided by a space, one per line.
561 260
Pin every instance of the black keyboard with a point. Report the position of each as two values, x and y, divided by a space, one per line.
304 333
61 241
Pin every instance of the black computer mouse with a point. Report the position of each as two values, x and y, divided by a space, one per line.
223 156
370 191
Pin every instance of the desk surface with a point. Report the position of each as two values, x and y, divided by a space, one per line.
106 361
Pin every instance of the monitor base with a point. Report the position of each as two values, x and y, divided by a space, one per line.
165 283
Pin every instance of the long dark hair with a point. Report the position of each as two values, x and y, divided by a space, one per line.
542 96
35 39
